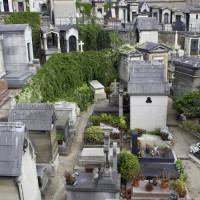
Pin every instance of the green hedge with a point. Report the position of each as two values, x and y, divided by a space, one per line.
33 19
63 75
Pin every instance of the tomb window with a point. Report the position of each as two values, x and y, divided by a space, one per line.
148 100
197 16
29 52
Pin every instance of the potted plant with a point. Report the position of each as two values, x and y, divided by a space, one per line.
148 147
108 91
70 180
93 134
95 120
155 181
149 187
180 186
104 118
139 132
165 178
139 143
166 151
59 138
136 177
155 147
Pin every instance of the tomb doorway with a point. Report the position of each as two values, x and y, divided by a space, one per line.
72 43
20 6
166 18
5 5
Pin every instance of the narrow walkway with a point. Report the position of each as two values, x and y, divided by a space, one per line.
57 189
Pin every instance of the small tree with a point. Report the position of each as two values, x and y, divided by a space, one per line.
128 165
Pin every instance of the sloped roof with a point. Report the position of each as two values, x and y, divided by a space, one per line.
66 28
141 4
165 7
36 116
146 23
188 61
13 27
147 78
45 29
131 52
11 148
154 47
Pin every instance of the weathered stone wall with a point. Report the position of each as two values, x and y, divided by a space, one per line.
186 80
127 37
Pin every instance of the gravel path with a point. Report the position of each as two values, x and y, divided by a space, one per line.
181 143
57 190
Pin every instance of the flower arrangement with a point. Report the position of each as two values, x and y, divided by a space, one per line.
195 148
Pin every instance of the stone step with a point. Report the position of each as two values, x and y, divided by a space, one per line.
144 198
152 194
196 160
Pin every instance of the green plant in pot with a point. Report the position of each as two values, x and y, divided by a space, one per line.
166 151
94 134
122 124
104 118
59 138
180 186
95 120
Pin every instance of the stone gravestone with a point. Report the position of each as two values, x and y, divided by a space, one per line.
98 89
97 185
3 92
134 143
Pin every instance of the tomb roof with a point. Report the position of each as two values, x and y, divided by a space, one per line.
36 116
66 28
187 61
45 29
154 47
130 52
13 27
11 148
146 23
147 78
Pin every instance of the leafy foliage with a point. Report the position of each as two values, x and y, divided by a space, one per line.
115 39
94 133
85 8
103 39
181 170
33 19
191 125
74 70
189 104
127 164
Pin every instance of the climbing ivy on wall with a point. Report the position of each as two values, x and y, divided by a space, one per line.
84 7
33 19
63 76
103 39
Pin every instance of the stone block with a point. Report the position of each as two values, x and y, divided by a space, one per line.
17 79
98 90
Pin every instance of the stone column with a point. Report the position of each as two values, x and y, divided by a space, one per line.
120 100
58 41
2 68
107 152
115 157
45 43
134 143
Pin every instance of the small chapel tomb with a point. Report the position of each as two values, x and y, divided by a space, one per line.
39 119
98 90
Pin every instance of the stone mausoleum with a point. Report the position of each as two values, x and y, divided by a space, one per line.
148 92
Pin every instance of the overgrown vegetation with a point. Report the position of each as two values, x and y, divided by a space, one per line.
189 104
31 18
94 134
85 8
191 125
74 70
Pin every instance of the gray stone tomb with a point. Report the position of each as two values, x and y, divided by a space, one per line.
98 185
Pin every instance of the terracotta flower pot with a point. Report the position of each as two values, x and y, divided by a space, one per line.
129 191
164 185
135 183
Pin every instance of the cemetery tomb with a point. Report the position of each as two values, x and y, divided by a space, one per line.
39 119
17 79
98 89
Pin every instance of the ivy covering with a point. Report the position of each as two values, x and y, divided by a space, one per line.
31 18
63 76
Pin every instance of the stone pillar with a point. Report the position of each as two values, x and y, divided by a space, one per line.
115 157
2 68
58 41
45 43
134 143
67 46
120 100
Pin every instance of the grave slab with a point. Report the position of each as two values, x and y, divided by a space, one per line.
17 79
108 110
98 89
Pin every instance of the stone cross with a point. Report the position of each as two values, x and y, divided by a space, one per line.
81 45
106 150
114 156
176 39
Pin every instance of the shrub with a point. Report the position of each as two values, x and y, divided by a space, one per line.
180 168
180 186
139 131
191 125
103 39
127 164
189 104
122 123
94 134
95 119
156 131
115 120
